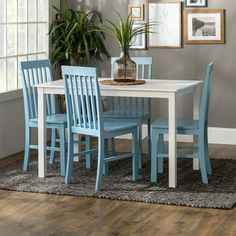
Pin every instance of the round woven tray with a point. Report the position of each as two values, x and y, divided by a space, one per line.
112 82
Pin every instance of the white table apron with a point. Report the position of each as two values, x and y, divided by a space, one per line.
168 89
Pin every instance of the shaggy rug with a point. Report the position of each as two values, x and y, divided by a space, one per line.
219 193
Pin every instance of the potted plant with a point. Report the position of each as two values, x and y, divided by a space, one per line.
124 69
76 37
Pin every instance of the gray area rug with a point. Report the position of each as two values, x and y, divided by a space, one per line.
219 193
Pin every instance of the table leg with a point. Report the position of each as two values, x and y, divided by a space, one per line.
172 142
42 164
196 106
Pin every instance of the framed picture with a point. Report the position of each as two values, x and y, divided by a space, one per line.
136 11
167 30
139 41
195 3
204 26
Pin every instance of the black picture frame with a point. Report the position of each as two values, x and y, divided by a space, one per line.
196 3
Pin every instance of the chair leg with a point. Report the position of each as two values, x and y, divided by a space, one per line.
206 152
135 155
113 148
27 148
69 164
149 138
62 151
88 147
53 144
160 149
106 164
140 146
100 163
202 161
154 156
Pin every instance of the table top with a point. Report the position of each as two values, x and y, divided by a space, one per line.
153 85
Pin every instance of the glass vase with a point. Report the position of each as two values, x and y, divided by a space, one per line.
124 69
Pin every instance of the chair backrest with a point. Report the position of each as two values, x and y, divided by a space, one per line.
204 105
83 99
33 73
127 104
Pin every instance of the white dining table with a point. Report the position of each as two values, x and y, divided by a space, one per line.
155 88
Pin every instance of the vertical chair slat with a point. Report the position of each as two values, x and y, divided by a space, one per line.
76 102
26 82
118 103
31 94
98 105
68 86
78 119
137 71
136 105
94 102
87 103
149 71
130 104
124 104
143 71
111 103
69 101
34 91
79 105
82 101
50 100
44 77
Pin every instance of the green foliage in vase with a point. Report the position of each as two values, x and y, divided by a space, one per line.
77 37
124 32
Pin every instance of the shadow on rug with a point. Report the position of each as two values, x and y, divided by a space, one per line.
219 193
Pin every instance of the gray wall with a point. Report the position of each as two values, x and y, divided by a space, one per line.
11 126
188 62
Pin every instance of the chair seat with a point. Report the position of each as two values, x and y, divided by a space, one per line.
181 124
111 126
52 119
138 115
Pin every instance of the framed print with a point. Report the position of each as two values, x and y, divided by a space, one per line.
204 26
139 41
136 11
195 3
167 30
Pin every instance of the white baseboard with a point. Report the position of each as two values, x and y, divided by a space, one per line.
222 135
215 136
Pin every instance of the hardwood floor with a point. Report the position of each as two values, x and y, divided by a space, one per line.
44 214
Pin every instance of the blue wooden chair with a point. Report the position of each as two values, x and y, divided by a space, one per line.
33 73
190 127
130 109
85 116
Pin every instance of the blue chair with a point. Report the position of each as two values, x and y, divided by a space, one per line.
33 73
85 116
129 109
189 127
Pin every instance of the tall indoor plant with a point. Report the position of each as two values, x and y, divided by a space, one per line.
76 37
124 69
